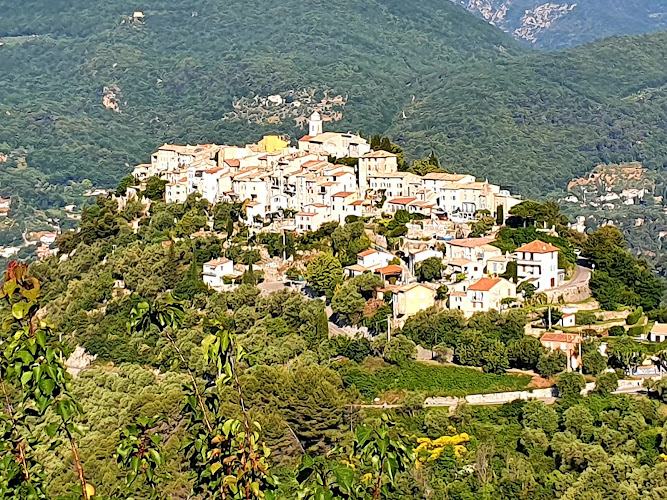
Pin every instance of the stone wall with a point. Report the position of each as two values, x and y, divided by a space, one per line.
570 295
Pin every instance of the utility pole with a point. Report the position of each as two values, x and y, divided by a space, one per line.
388 329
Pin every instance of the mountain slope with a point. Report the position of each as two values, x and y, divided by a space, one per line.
178 72
535 122
566 23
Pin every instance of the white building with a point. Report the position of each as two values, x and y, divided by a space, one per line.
215 270
658 333
537 262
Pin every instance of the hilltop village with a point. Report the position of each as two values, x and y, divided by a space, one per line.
443 253
274 177
302 188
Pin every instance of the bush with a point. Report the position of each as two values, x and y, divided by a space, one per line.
443 353
617 331
607 383
552 363
400 350
570 384
585 318
636 331
635 316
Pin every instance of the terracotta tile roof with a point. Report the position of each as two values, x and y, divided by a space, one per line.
390 269
484 284
357 203
412 286
460 262
343 194
217 262
538 246
659 328
306 214
470 242
402 201
379 154
306 138
444 176
213 170
458 294
366 253
561 337
233 163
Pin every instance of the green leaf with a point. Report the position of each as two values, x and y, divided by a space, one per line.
51 429
363 433
19 309
41 338
344 477
25 378
215 467
25 356
47 385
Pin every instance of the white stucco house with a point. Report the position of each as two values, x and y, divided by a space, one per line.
537 262
215 270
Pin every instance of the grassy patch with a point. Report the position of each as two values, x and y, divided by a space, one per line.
435 380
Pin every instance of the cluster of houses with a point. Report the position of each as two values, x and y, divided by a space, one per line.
273 177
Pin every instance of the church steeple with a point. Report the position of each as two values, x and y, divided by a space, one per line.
315 124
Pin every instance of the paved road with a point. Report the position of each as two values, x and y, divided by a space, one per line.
582 276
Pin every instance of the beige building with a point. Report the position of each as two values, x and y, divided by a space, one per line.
483 296
376 163
408 300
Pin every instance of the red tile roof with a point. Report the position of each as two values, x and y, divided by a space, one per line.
390 269
538 246
366 253
343 194
561 337
402 201
306 138
470 242
484 284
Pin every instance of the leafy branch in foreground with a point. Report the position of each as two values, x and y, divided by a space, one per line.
31 368
366 470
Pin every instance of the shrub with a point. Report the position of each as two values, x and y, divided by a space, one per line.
617 331
400 350
636 331
635 316
607 383
585 318
552 363
570 384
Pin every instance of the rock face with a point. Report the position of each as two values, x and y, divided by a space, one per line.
78 361
541 18
111 98
567 23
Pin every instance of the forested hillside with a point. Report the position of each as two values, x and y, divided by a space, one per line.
535 122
